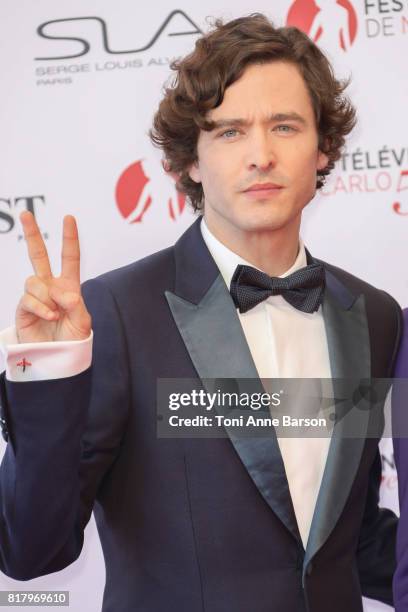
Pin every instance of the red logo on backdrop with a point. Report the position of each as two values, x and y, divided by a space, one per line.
397 205
136 192
325 19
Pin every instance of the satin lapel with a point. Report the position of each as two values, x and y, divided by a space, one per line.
214 339
349 350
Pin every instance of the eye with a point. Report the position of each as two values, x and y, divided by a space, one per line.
287 128
229 133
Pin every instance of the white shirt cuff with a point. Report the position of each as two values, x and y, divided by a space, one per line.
32 361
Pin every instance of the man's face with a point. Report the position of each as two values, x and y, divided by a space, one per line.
265 137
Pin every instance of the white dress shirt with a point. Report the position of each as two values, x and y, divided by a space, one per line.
284 343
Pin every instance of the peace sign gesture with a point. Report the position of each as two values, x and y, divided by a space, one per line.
52 307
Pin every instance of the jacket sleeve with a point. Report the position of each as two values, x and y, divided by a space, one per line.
400 440
63 435
376 548
376 554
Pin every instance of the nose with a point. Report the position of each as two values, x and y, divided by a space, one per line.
261 155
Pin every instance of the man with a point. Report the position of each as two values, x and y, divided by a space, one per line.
252 124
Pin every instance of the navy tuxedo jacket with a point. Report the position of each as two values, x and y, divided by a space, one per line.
193 525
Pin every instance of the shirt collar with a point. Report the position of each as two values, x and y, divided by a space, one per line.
227 260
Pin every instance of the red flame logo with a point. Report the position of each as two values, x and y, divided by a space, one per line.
135 194
331 18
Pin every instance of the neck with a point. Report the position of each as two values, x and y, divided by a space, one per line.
273 251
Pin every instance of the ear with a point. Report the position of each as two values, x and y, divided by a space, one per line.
194 172
322 160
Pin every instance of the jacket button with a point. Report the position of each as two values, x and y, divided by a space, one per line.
309 569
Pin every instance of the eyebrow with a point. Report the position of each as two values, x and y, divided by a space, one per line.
274 117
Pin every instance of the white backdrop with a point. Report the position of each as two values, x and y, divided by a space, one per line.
74 120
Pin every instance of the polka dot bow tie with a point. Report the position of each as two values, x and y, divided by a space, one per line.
303 289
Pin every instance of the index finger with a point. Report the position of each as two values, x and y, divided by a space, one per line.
35 244
70 266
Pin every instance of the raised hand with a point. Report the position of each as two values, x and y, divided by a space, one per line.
52 307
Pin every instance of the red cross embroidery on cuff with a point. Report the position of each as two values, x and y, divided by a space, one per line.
23 364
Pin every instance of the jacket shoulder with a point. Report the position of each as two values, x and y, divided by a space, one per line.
384 314
155 270
374 295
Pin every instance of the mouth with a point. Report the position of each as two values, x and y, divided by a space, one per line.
263 190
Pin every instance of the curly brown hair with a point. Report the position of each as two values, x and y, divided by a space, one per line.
218 60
